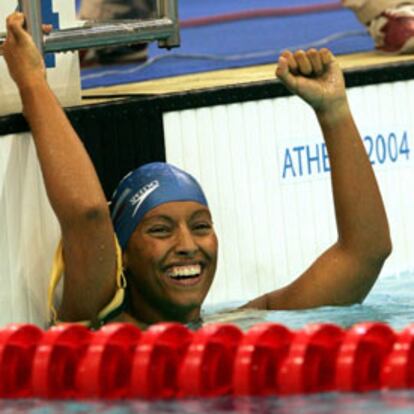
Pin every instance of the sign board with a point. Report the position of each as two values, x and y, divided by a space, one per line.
265 170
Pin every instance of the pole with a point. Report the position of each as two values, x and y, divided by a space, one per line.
32 10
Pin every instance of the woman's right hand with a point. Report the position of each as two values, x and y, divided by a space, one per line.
24 61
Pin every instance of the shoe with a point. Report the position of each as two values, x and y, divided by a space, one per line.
114 55
393 30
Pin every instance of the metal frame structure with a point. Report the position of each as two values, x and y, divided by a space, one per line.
164 29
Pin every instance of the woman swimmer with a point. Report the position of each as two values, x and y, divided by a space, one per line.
161 217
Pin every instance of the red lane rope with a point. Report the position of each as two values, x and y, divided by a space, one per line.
260 13
170 361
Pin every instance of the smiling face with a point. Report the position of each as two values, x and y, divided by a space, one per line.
171 259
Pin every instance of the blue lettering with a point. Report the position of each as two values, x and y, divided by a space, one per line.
288 164
393 147
299 151
380 149
404 147
313 159
325 159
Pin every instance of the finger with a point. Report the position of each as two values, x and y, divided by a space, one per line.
47 28
316 61
326 56
288 55
282 67
284 74
304 65
15 24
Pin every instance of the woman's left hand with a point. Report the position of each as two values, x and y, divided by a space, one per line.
315 76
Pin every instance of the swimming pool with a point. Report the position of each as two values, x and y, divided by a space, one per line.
391 301
401 402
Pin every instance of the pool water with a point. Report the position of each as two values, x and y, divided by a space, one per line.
396 402
391 301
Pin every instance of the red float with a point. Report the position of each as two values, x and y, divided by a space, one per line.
398 369
105 369
157 359
56 361
207 369
310 365
261 352
17 346
362 355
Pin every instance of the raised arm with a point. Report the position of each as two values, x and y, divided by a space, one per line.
71 182
345 273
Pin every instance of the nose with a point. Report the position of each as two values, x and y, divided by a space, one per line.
186 245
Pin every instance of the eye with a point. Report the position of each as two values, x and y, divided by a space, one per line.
202 227
159 231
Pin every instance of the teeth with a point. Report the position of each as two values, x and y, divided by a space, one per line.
184 271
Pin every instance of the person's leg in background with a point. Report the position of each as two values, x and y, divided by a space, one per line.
390 22
107 10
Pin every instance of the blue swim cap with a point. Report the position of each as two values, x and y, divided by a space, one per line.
145 188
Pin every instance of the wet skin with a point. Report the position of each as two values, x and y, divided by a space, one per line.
171 259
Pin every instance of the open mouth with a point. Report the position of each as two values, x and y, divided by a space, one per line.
185 275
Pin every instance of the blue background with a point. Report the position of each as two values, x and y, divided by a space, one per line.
240 43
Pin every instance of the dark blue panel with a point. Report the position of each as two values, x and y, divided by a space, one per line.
49 16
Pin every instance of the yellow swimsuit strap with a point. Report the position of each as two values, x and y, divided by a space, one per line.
58 269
